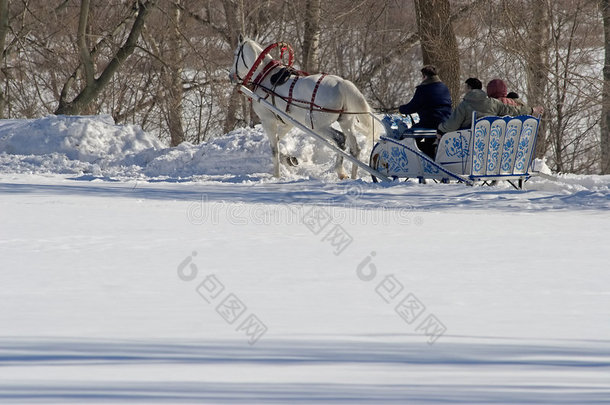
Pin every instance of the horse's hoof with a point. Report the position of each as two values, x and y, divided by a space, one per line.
289 160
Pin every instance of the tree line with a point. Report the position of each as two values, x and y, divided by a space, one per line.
163 64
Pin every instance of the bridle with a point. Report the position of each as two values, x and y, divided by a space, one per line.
240 53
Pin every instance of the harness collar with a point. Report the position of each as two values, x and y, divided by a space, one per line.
284 46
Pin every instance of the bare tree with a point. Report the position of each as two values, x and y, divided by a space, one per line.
537 66
521 28
438 41
93 86
398 50
175 74
174 70
3 32
235 27
27 65
605 116
311 36
234 20
573 91
3 23
545 55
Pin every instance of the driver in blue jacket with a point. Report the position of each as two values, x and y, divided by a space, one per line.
432 102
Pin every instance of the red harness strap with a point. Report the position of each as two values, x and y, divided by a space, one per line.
261 76
284 46
289 100
313 98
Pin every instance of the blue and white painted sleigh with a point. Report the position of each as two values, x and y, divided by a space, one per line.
495 148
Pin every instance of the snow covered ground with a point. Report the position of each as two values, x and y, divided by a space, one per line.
135 273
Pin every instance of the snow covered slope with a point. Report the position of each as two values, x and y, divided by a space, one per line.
96 146
142 274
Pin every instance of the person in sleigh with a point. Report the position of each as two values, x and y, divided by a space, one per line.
432 102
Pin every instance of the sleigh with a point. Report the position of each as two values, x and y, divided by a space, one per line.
495 148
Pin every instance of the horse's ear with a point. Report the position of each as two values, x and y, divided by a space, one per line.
241 38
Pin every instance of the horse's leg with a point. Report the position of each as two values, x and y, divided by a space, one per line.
339 138
271 129
347 125
354 150
275 130
282 129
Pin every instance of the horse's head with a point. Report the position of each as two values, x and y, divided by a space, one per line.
245 55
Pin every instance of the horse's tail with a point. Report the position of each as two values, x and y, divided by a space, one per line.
356 104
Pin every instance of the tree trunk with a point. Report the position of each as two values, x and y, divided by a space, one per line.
3 24
174 85
235 21
311 37
234 16
83 46
605 119
537 66
438 42
3 31
94 88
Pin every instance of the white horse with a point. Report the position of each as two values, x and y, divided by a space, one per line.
316 101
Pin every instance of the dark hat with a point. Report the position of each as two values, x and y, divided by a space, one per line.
474 83
429 70
512 94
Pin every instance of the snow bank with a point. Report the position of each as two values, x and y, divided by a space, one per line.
97 146
241 152
84 138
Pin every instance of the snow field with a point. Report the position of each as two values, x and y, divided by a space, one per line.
302 290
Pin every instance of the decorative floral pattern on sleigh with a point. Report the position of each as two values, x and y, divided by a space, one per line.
495 148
